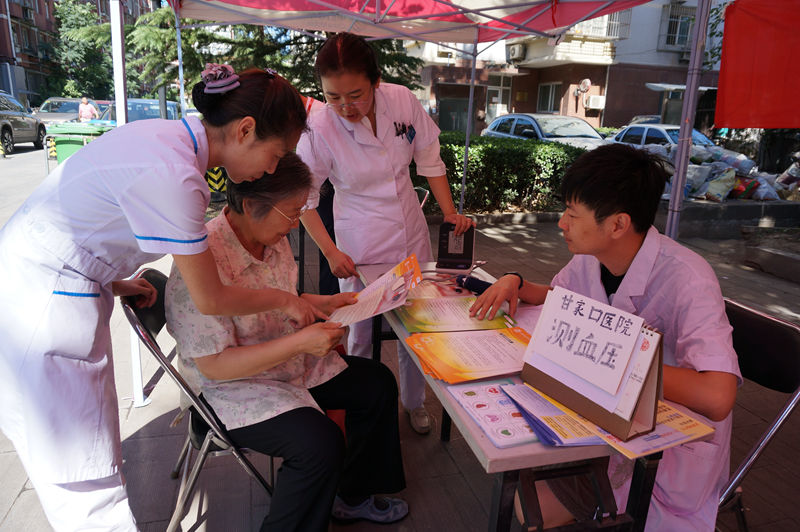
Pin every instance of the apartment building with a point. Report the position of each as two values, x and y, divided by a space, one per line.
605 70
28 35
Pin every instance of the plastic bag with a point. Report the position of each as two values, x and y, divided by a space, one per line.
719 187
765 190
744 188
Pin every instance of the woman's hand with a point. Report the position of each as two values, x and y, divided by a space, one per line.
319 338
342 266
331 303
488 303
462 223
301 312
144 294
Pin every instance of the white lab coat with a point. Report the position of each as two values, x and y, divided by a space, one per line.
125 199
377 217
376 211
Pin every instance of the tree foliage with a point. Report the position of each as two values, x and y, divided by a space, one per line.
152 52
81 67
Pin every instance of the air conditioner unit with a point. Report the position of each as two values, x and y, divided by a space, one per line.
685 56
515 52
595 101
28 13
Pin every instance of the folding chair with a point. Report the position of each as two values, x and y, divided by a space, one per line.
206 433
769 354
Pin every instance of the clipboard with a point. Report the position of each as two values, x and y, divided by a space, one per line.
456 253
643 419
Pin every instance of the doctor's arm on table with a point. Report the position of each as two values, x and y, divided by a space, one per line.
507 289
212 297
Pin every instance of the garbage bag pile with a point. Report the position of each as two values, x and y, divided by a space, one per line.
717 174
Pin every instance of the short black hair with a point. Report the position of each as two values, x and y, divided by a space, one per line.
292 176
614 179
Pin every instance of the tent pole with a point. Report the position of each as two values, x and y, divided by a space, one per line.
118 61
469 122
687 117
180 62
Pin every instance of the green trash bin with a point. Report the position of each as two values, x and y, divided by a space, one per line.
72 136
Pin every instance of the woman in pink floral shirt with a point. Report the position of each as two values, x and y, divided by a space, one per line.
270 383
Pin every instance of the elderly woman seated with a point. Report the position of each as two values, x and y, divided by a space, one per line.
270 383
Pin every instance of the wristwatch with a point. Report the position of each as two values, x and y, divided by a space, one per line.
518 275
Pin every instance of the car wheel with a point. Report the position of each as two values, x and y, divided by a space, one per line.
7 138
39 142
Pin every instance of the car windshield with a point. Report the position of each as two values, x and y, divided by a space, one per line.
698 138
54 106
559 126
142 111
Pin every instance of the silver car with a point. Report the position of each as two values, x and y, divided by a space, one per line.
664 134
57 110
550 128
18 125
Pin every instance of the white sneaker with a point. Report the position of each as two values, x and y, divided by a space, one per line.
420 420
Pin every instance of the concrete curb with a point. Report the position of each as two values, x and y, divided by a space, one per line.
505 218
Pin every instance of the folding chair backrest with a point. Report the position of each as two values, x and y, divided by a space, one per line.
768 350
148 322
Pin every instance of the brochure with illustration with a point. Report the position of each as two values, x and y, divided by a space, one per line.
557 425
387 292
493 411
469 355
443 314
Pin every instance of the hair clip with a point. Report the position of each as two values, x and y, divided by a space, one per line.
219 78
270 72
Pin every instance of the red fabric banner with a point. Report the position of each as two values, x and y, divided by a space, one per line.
759 80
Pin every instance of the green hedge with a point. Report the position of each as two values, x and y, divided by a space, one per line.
503 174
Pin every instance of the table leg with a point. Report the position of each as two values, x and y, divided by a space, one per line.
377 322
446 423
501 512
644 477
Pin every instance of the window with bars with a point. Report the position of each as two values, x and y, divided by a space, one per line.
676 27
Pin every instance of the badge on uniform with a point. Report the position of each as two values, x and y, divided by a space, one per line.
406 131
410 134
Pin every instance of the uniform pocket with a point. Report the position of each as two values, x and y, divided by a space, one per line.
75 320
687 476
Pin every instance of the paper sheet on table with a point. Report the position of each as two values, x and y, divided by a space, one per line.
387 292
493 411
553 425
446 314
673 427
600 357
469 355
527 316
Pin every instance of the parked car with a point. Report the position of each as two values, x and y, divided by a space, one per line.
551 128
665 134
138 109
645 119
18 124
57 110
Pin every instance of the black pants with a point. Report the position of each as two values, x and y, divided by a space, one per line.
316 460
328 283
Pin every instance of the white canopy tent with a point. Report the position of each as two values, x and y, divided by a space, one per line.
440 21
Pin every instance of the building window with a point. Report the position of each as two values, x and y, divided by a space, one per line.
549 98
498 96
676 27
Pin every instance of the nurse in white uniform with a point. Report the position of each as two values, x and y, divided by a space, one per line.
364 142
127 198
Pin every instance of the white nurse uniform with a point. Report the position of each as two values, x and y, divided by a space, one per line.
129 197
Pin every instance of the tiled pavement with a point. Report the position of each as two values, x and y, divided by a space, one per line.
447 489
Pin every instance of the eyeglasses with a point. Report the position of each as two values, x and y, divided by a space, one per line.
343 106
292 219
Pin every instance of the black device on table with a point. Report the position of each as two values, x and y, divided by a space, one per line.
456 252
